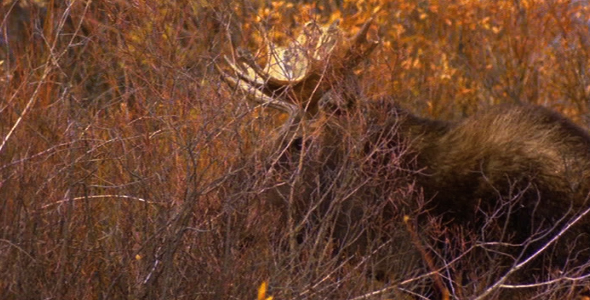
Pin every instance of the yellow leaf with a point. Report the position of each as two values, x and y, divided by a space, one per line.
262 291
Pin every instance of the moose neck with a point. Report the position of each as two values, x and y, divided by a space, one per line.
419 134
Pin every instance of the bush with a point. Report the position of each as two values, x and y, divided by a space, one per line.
129 170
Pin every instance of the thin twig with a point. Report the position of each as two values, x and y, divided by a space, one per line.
500 282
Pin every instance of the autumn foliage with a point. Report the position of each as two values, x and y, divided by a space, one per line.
120 144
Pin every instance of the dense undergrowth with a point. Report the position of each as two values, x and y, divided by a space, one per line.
123 154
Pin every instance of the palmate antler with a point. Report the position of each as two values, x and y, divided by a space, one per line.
294 77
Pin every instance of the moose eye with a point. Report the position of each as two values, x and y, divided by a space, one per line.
297 144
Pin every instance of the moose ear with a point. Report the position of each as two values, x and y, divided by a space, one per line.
332 103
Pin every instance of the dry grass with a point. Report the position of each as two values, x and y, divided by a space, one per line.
121 150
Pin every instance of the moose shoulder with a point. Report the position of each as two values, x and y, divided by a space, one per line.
528 147
526 164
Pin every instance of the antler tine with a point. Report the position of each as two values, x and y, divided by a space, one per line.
361 36
244 71
255 95
358 42
326 42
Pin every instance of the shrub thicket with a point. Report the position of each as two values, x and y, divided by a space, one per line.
122 153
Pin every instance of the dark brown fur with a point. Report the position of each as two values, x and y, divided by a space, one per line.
482 156
507 150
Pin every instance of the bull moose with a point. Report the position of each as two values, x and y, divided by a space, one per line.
525 167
